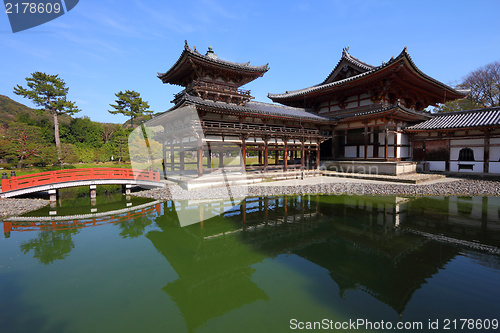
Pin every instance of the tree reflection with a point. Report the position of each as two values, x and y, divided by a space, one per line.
50 246
134 227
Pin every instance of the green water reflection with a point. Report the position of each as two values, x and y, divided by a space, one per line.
252 268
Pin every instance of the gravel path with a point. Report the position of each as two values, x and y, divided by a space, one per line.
460 187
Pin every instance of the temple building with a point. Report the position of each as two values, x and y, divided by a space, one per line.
359 114
283 137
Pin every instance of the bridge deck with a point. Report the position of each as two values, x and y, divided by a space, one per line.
44 181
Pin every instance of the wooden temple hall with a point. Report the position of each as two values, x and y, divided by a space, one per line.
215 123
359 114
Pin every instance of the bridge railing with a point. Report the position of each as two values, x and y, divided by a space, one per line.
61 176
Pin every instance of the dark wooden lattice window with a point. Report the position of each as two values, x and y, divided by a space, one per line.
466 154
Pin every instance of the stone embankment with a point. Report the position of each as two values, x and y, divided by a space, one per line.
12 207
460 187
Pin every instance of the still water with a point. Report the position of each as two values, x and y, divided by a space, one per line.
271 264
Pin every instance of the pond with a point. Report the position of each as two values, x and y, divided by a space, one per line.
270 264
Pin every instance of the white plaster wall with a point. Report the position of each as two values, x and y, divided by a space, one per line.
370 151
468 142
437 165
350 151
478 153
494 154
404 152
361 151
494 167
494 141
405 139
391 138
381 152
381 138
365 102
478 167
391 152
398 138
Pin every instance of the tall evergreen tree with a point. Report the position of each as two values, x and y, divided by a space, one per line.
48 92
130 103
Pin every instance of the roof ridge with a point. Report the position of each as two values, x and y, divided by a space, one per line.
216 59
492 108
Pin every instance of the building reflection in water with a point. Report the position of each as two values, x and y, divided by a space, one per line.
365 243
387 247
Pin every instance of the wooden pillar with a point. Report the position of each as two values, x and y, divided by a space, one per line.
164 154
199 158
302 154
318 157
266 152
386 142
285 155
172 156
221 156
447 163
209 157
276 156
333 144
243 155
243 208
367 137
181 156
486 159
260 157
266 208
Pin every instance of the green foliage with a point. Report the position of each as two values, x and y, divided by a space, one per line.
457 105
86 154
129 103
48 92
84 132
23 143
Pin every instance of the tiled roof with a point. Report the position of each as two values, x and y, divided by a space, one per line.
384 109
214 60
489 117
403 54
346 57
255 108
396 110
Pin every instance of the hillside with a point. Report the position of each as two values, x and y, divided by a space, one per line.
10 110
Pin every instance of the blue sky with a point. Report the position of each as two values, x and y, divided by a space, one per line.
102 47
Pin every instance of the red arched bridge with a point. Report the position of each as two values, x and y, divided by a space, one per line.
53 180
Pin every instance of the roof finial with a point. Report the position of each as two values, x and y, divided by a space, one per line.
186 46
210 53
345 50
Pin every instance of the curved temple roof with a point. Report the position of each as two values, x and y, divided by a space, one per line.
184 64
402 58
489 117
252 107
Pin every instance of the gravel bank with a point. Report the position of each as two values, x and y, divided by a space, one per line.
12 207
461 187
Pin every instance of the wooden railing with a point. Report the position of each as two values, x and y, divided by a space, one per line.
61 176
263 128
